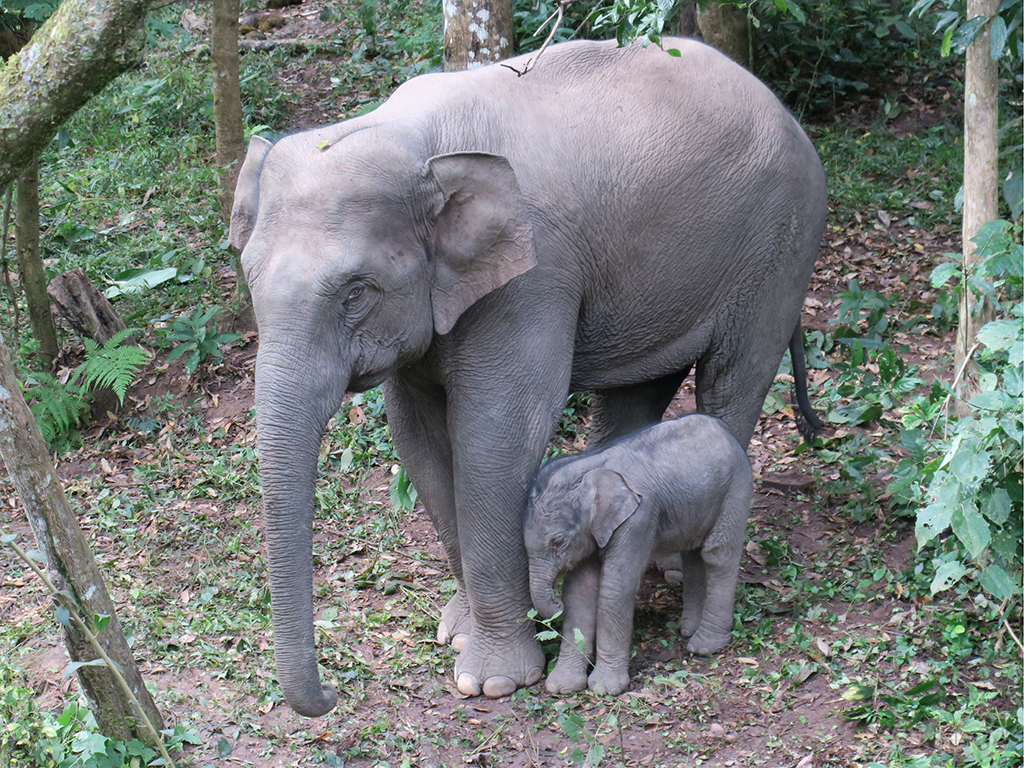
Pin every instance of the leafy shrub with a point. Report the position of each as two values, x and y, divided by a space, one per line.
60 406
196 340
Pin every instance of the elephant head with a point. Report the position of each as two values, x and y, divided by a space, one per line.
567 519
357 251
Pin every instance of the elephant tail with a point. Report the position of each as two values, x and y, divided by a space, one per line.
807 421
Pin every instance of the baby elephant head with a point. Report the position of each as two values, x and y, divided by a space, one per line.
569 516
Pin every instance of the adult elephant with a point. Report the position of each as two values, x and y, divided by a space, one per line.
482 244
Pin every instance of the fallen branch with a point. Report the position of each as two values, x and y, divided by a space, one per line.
559 13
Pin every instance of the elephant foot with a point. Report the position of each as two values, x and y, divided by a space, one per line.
706 642
498 671
671 567
456 623
689 622
605 680
567 676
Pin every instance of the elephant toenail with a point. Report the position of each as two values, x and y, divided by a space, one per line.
534 675
468 685
460 641
498 686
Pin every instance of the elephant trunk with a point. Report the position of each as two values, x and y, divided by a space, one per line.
542 583
291 417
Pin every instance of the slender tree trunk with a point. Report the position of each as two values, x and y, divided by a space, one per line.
83 46
476 32
30 264
727 28
228 125
70 564
227 101
981 187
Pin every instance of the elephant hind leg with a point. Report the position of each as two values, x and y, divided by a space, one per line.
417 421
622 410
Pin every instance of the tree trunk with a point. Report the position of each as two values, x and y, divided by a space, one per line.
476 32
70 564
981 188
81 304
227 101
83 46
30 264
727 28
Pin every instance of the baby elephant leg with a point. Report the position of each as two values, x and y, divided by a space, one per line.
721 555
579 596
694 590
620 579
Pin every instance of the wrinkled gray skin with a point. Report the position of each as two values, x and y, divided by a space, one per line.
682 486
484 243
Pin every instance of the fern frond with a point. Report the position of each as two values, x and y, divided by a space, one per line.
112 366
57 408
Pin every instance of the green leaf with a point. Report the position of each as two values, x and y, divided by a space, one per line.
100 621
1013 192
996 506
970 527
997 40
947 42
74 666
137 280
403 494
1000 335
946 575
997 583
223 747
63 616
8 538
546 635
943 273
970 466
858 692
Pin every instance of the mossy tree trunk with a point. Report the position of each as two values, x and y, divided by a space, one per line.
727 28
476 32
981 187
70 564
30 265
83 46
228 126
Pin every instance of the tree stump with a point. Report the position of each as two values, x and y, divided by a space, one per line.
82 305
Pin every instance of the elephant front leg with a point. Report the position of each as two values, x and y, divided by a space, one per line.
580 590
417 420
620 580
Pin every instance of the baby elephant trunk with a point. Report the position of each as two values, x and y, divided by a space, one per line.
542 582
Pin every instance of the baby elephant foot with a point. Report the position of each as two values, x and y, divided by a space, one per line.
567 676
705 642
606 680
496 672
456 623
689 623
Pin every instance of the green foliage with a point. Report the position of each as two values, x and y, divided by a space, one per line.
112 365
31 738
976 489
958 32
891 709
37 11
193 337
59 406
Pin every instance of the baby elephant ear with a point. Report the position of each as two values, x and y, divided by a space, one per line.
610 500
482 237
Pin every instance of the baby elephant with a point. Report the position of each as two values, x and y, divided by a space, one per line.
599 517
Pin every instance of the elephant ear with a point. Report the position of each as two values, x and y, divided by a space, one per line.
247 193
481 238
610 500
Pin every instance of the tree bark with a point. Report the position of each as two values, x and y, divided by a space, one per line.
727 28
81 304
981 188
83 46
227 101
70 564
30 264
476 32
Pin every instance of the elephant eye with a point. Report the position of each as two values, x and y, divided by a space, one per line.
355 291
